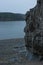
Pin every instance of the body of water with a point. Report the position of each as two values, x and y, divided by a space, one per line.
12 29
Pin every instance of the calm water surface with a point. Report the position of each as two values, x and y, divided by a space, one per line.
12 29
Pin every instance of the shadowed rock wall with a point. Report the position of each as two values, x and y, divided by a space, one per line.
34 29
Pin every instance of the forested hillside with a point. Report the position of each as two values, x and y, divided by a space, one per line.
6 16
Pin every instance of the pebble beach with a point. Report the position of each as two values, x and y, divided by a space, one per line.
13 52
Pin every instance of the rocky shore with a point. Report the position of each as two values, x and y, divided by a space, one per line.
13 52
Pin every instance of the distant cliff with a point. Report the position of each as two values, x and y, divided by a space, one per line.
6 16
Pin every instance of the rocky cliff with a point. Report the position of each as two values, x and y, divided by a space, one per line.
34 29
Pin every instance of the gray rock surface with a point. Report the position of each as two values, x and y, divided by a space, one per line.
34 29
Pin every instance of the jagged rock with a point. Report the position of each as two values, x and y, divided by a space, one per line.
34 29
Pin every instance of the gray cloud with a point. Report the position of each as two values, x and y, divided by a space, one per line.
18 6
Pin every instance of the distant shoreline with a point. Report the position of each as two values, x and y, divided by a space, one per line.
7 16
10 20
12 39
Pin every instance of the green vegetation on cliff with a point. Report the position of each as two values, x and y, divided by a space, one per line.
6 16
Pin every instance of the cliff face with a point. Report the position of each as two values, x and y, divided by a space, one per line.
6 16
34 29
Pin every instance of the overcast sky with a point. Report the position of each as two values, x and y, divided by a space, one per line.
16 6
